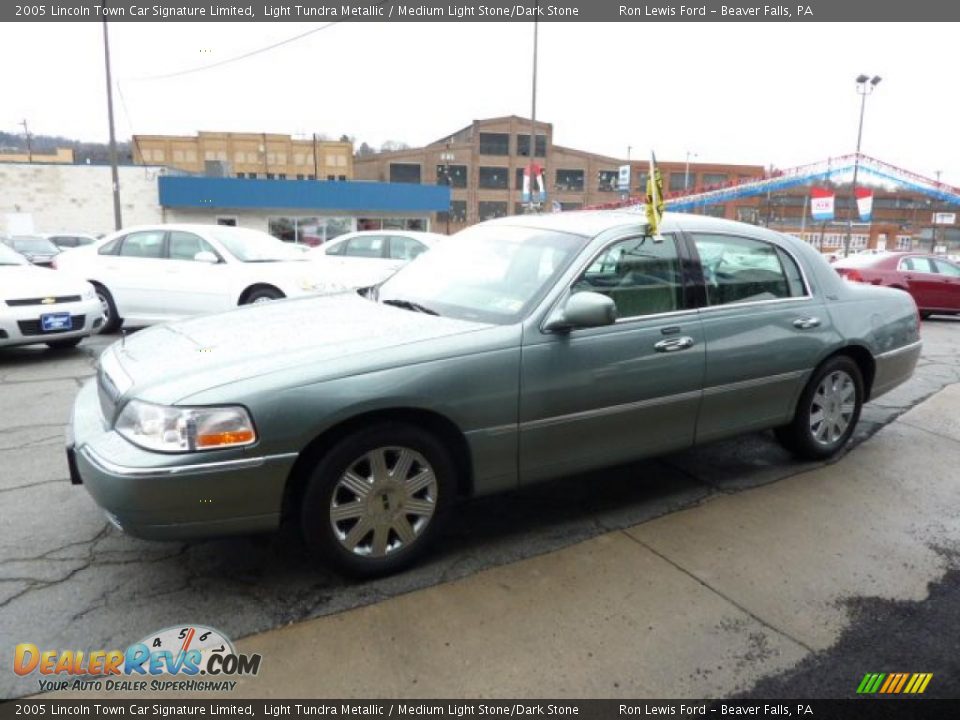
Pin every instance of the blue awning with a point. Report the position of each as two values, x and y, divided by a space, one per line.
350 196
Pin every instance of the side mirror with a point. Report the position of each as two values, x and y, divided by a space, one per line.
583 310
207 257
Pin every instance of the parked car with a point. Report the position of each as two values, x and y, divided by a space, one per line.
35 248
43 306
157 273
519 350
932 280
65 240
367 257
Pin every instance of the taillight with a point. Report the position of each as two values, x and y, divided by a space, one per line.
851 274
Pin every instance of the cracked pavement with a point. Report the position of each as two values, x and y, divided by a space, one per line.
69 580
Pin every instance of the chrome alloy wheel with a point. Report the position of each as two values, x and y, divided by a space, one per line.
383 502
832 407
104 307
262 299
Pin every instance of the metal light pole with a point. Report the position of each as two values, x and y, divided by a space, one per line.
117 218
686 170
446 158
533 114
865 86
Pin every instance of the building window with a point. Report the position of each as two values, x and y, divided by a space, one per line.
331 178
458 175
270 176
238 157
607 180
569 180
341 160
191 155
308 230
523 145
341 178
493 178
748 215
494 143
713 179
488 210
311 176
227 221
681 181
458 212
299 176
718 211
240 175
404 173
567 206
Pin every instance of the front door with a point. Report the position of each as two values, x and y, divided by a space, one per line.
599 396
764 330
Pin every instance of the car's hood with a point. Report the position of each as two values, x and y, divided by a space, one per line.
313 338
26 281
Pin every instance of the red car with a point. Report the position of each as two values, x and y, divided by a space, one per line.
933 281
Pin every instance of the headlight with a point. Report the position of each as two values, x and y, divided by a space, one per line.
185 429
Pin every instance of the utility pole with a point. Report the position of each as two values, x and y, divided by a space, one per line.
26 133
117 217
533 114
316 162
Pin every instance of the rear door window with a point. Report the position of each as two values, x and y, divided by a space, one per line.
917 264
740 270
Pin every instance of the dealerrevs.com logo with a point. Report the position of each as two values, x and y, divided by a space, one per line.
191 658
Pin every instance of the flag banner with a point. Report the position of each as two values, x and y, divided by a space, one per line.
654 198
535 185
821 203
864 203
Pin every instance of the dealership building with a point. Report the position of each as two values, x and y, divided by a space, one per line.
37 197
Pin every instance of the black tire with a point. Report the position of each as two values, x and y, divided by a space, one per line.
324 485
111 320
800 436
64 344
262 295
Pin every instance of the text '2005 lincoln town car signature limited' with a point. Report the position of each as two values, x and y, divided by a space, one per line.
519 350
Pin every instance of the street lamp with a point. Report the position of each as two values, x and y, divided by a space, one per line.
686 170
446 158
865 86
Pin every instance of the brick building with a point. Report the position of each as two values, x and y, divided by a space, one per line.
484 164
264 156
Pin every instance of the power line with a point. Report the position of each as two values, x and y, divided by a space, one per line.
243 56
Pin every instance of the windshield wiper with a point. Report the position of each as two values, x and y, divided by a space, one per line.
410 305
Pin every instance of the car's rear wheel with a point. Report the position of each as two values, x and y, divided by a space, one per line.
64 344
111 320
376 501
827 412
262 295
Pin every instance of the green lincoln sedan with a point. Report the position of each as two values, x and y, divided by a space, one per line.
520 350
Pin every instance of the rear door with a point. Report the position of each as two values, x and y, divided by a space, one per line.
595 397
922 280
949 284
764 331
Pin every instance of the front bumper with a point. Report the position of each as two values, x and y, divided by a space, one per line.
167 497
20 325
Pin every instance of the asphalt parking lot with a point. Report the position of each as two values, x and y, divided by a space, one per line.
68 579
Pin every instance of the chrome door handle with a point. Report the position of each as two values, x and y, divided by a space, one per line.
673 344
806 323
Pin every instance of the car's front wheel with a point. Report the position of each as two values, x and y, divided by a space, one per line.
827 412
111 320
376 500
262 295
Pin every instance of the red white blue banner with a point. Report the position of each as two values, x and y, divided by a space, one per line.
821 203
539 193
864 203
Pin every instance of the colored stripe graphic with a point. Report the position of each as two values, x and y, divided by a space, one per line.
894 683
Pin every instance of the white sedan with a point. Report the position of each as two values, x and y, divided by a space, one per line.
157 273
368 257
38 305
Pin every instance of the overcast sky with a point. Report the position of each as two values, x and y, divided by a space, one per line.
748 93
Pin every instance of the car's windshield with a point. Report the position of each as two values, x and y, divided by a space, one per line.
254 246
30 244
488 273
9 257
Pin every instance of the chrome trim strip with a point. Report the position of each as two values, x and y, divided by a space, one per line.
754 303
609 410
900 350
755 382
177 470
